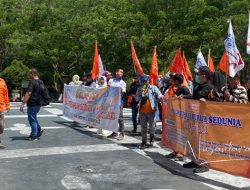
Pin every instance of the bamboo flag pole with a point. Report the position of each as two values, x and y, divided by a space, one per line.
227 71
208 58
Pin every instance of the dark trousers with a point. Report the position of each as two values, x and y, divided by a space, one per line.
121 120
147 120
134 116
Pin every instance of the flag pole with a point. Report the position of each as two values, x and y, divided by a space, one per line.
183 54
227 71
208 58
131 42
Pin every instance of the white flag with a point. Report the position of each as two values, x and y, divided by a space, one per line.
234 58
200 61
101 68
248 36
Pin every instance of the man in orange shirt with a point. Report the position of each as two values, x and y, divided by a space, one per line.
4 103
148 97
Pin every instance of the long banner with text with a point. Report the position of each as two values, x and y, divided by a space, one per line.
212 133
96 107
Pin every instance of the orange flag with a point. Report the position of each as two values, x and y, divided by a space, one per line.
224 63
210 62
187 70
135 59
177 63
154 69
95 68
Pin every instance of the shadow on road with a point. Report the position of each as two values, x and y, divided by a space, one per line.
18 138
177 169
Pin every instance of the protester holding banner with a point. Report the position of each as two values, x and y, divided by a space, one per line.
108 75
133 103
102 82
118 82
90 82
180 91
148 97
170 92
203 91
75 80
235 92
218 80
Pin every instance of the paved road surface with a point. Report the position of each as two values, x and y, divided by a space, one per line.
72 156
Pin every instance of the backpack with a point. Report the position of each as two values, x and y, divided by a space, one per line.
44 94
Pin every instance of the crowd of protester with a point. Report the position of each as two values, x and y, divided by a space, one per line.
145 99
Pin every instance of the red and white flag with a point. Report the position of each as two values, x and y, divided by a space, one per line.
248 36
234 58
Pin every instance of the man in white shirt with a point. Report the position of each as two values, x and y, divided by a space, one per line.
118 82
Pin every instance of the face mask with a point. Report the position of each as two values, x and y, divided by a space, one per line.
197 79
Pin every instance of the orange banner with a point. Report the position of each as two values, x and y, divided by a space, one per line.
213 133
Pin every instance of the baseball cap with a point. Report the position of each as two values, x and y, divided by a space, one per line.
144 78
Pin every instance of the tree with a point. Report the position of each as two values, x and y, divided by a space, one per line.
15 73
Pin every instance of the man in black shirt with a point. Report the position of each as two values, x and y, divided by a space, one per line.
134 104
32 99
203 91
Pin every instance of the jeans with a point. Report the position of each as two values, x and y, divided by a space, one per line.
32 118
134 116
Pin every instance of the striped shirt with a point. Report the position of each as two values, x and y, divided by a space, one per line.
239 95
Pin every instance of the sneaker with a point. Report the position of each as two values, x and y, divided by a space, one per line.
143 146
171 155
2 146
200 169
120 136
190 165
99 131
31 138
112 136
39 134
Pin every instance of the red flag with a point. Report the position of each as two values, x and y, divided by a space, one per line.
135 59
154 69
187 72
95 68
210 62
224 63
177 63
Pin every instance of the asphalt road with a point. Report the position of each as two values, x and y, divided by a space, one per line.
71 156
